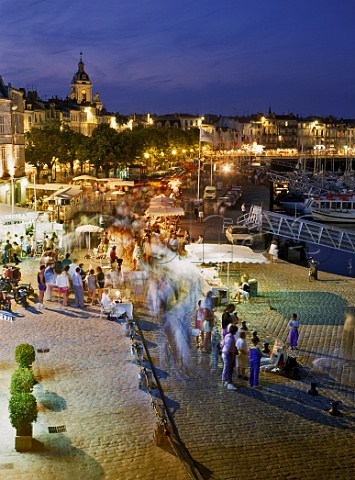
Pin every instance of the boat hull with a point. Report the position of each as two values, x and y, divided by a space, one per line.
333 217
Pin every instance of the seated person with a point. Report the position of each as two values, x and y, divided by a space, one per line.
106 300
173 243
243 289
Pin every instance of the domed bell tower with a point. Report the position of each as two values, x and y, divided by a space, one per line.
81 87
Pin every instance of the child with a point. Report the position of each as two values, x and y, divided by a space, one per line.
255 355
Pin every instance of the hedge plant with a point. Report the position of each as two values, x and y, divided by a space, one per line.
22 380
25 355
23 411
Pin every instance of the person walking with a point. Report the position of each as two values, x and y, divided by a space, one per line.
77 283
293 325
255 355
228 355
41 286
63 284
273 252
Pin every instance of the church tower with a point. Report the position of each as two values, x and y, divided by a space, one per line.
81 87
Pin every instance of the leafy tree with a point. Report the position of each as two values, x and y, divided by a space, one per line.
103 148
70 143
43 145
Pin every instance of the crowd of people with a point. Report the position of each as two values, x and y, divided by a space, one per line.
228 338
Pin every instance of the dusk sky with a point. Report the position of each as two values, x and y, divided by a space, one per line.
227 57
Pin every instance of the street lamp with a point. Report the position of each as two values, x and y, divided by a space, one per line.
199 123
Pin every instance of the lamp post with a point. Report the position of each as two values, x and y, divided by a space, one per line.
199 123
12 195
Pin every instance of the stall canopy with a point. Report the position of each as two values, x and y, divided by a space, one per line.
216 253
155 211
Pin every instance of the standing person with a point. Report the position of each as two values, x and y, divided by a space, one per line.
63 283
228 317
198 317
243 355
293 325
255 355
228 354
243 208
50 279
207 325
196 214
77 283
216 342
113 256
73 266
201 214
66 260
41 286
92 286
100 278
273 252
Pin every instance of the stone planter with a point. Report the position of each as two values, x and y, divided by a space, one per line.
23 439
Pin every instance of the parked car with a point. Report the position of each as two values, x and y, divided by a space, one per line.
239 235
210 193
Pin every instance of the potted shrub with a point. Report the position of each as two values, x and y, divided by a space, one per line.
25 355
22 380
23 412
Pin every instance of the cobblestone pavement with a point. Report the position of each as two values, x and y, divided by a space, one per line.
279 431
88 383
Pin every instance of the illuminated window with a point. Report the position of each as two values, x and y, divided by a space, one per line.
2 124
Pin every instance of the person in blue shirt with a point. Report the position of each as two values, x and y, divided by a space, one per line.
255 355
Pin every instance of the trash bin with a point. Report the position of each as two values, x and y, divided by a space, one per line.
253 284
219 296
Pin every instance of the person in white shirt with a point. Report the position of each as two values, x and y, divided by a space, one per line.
63 285
72 267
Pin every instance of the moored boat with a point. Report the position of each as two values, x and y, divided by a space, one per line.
334 208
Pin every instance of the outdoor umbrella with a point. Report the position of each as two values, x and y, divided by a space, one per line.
85 177
88 229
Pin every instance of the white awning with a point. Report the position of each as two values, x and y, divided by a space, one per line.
219 253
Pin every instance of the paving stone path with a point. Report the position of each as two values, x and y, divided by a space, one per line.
87 383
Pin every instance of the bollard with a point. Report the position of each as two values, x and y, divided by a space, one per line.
161 434
137 351
313 391
140 352
130 328
127 329
334 410
145 378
